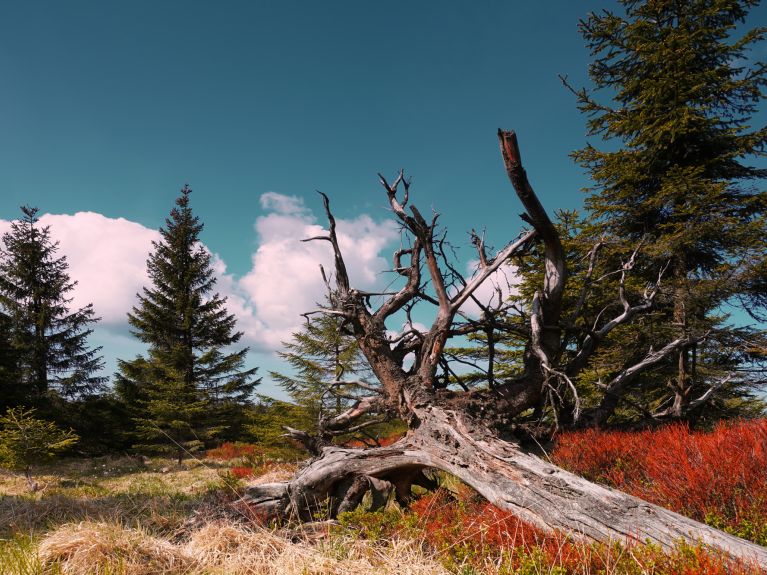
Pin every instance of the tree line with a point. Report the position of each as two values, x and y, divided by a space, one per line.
674 224
190 388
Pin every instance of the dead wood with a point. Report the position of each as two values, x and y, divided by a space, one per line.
465 432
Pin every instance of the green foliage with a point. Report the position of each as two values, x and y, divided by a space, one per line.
189 388
26 440
45 348
319 354
266 421
678 189
12 391
322 356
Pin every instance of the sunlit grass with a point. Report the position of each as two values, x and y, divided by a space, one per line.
124 516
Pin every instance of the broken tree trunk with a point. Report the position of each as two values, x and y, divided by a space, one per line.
461 432
508 477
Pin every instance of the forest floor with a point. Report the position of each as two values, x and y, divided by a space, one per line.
127 516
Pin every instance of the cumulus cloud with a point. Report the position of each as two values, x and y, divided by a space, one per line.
285 280
106 256
503 282
282 204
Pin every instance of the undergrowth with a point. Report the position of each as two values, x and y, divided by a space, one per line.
121 517
718 477
470 536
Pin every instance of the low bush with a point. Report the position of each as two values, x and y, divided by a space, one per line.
717 477
231 451
470 536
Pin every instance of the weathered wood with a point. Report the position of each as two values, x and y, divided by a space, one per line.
533 489
457 432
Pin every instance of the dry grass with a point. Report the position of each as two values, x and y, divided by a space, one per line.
274 474
86 548
222 548
120 517
158 496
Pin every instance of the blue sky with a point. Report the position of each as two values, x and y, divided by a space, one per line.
111 107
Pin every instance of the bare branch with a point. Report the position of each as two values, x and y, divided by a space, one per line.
479 243
597 335
592 255
555 273
471 286
342 277
619 383
359 427
356 383
703 399
576 398
342 421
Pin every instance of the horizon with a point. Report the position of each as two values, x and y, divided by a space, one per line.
112 109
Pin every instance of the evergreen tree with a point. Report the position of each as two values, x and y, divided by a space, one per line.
11 388
319 354
322 356
47 342
190 387
678 188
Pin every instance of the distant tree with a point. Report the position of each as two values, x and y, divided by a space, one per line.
48 341
190 387
26 441
12 392
267 422
328 375
675 200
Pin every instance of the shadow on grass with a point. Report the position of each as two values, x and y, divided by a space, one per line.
159 514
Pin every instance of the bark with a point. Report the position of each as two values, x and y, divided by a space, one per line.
507 476
457 432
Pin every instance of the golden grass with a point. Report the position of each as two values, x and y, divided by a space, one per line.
276 473
115 516
220 548
86 548
113 475
160 497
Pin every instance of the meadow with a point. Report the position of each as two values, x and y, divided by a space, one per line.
137 516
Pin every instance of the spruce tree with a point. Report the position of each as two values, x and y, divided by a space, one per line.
11 388
48 350
191 387
319 354
322 356
680 96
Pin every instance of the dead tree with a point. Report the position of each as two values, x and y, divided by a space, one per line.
466 432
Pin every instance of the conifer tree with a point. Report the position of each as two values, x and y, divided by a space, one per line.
191 387
679 189
48 351
11 388
319 354
328 375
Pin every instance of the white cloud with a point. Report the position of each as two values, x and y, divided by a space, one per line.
503 282
282 204
285 279
106 256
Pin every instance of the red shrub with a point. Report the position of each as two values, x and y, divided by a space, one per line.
467 531
717 476
242 472
229 451
447 522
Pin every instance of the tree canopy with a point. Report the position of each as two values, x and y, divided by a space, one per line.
48 349
674 196
192 385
